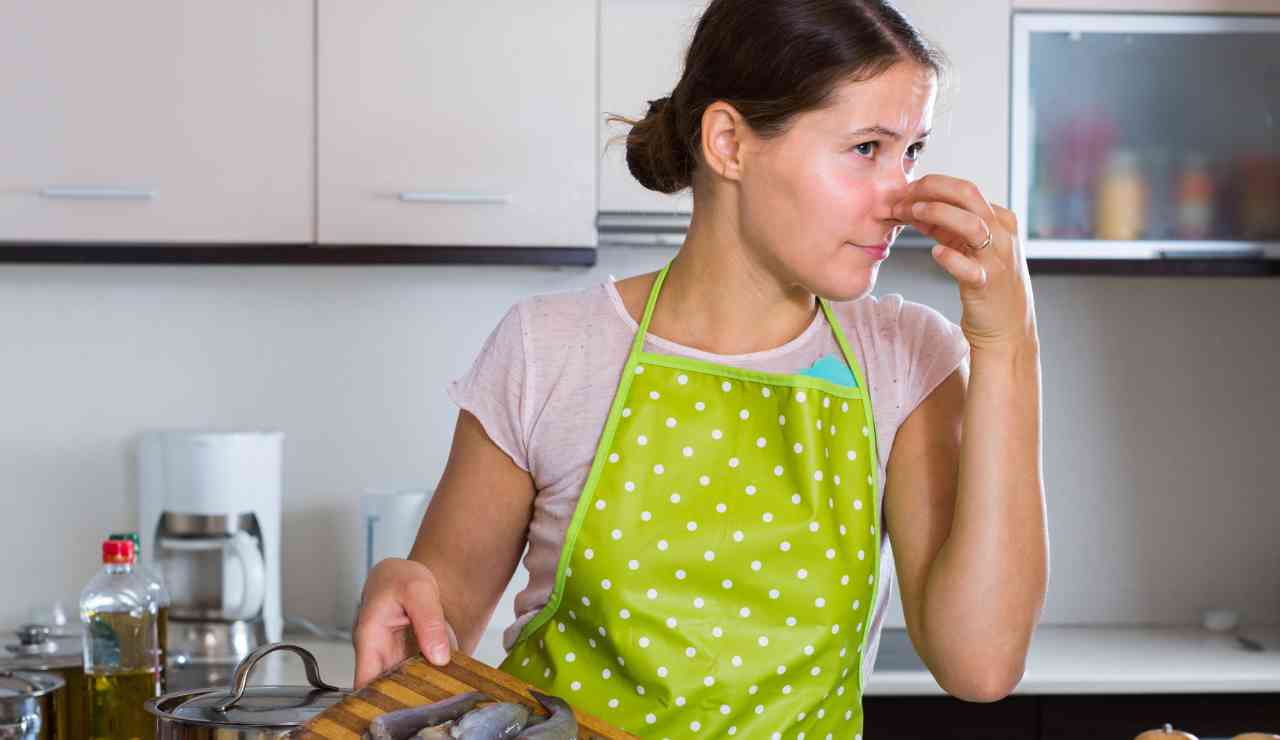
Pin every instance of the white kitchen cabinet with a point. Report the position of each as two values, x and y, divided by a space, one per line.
1145 136
156 121
1153 6
642 48
456 123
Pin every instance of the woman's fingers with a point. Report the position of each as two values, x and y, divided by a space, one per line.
949 224
953 190
427 616
402 610
965 270
379 639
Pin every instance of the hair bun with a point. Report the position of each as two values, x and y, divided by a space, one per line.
656 153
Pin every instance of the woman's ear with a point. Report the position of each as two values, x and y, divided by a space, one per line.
723 130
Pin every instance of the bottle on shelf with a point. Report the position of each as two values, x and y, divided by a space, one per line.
121 647
1121 212
1195 198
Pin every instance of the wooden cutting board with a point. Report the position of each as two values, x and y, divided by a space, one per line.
415 682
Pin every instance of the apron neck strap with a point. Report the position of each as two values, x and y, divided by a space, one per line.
849 358
637 345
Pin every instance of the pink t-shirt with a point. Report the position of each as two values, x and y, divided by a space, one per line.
544 381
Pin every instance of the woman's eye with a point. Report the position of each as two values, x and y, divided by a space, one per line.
868 149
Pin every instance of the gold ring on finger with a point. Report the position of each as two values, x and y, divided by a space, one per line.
985 244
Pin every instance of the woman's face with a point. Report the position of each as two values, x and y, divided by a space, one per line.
830 182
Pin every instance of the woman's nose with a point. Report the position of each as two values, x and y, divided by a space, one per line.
892 191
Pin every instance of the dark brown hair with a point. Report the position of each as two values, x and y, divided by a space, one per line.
771 60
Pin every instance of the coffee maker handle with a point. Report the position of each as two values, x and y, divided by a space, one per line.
254 571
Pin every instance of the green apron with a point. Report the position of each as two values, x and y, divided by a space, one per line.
720 572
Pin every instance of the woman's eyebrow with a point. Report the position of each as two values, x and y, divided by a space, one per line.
886 132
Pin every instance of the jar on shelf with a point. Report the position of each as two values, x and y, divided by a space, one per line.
1195 198
1121 208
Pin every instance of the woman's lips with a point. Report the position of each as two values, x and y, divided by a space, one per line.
877 252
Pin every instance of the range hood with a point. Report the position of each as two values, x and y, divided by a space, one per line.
668 229
642 228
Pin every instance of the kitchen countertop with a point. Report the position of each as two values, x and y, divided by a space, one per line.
1124 660
1062 660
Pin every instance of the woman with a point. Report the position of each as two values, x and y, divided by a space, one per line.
696 457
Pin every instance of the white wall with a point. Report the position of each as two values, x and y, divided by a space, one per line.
1160 414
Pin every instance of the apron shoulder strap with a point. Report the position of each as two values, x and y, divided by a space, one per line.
845 349
638 344
852 360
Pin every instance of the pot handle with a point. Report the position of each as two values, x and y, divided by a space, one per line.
240 681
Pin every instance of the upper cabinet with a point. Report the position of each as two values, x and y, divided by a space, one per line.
458 123
1113 128
1140 136
156 121
642 48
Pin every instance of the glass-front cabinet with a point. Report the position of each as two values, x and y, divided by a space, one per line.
1144 136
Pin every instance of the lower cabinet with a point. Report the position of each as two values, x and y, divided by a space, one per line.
1204 715
1054 717
916 717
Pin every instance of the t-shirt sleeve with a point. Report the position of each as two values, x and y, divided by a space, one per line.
495 390
934 348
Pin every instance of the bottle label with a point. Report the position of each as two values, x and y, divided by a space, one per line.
104 643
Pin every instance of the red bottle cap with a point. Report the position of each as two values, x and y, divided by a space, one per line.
117 552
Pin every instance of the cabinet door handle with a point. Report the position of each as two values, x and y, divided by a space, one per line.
94 193
420 197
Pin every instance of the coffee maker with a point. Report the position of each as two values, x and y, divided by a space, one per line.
210 520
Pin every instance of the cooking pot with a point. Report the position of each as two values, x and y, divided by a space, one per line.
244 711
26 704
39 649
